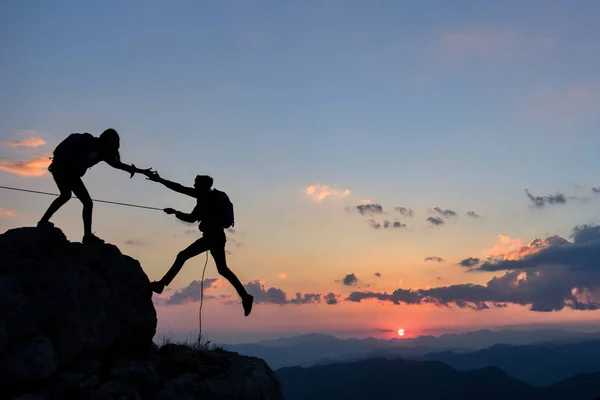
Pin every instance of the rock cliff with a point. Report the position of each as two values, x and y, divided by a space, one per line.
77 322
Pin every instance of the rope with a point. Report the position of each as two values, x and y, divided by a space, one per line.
201 301
99 201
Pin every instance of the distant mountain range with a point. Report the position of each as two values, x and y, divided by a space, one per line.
422 380
313 349
539 365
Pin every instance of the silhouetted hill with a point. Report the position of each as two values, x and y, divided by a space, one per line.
540 365
420 380
77 322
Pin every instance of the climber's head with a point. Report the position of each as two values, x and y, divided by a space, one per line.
110 141
203 183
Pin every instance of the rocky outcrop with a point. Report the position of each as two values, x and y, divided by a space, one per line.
77 322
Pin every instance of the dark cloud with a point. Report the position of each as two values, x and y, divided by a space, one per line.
447 213
469 262
561 274
374 224
278 296
473 214
383 330
407 212
395 224
435 221
350 280
596 189
369 209
541 201
377 274
307 298
386 224
434 258
134 242
331 298
191 293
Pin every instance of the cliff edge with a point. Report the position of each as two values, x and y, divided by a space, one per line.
77 322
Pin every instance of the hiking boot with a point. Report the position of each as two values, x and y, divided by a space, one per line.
247 303
91 239
45 225
157 287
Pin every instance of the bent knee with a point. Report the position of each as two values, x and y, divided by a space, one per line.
223 269
87 204
65 197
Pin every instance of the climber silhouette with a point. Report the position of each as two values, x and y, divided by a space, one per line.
70 161
215 213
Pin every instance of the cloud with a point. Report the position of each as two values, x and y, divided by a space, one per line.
350 280
447 213
466 44
386 224
282 276
369 209
29 141
191 293
469 262
473 214
134 242
377 274
541 201
7 213
407 212
278 296
395 224
331 298
193 232
566 104
434 258
319 192
596 189
383 330
514 249
435 221
563 274
37 166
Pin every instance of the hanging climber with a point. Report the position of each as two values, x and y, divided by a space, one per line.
71 160
214 210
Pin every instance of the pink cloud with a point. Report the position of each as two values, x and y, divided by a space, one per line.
567 104
463 43
30 141
35 167
508 248
7 213
484 43
320 192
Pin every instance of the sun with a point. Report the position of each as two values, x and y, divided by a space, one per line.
400 332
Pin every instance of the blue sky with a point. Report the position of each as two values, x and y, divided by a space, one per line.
416 104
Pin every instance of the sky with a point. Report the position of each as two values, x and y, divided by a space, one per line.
412 165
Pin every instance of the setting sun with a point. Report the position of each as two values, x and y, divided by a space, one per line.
401 332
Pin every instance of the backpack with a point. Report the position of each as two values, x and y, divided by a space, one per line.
73 146
224 209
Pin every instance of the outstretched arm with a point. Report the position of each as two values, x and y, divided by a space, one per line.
153 176
115 162
181 215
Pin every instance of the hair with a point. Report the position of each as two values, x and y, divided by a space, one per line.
204 180
111 138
